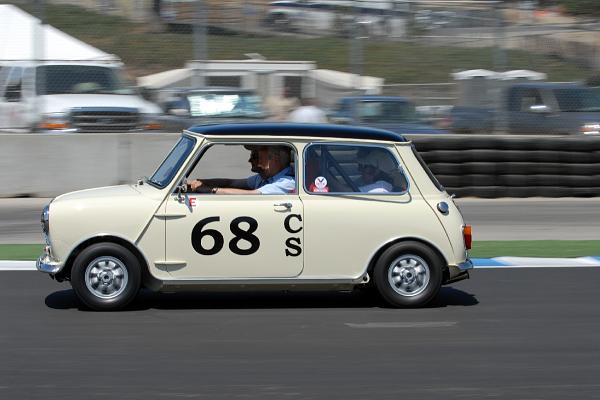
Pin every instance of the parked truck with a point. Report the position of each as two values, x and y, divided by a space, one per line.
71 96
534 108
393 113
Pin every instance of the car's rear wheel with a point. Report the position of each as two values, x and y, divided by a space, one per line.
106 276
408 274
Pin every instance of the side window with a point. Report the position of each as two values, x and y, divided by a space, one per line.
13 85
228 81
3 76
352 169
269 168
530 97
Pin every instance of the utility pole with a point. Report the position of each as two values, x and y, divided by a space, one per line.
500 58
500 65
200 48
39 50
356 45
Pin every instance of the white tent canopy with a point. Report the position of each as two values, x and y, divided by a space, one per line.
22 38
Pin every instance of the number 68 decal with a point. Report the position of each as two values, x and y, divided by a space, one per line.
239 235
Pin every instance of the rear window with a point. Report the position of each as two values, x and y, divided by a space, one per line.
345 169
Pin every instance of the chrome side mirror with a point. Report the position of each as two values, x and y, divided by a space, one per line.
540 109
181 189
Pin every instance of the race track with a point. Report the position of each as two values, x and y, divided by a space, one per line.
503 334
497 219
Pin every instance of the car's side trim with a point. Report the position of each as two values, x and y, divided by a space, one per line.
262 283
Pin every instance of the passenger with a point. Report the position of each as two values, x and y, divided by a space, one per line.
372 178
274 175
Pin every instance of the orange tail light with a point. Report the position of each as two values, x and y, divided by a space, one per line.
468 236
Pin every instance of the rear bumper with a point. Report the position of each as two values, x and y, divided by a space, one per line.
465 265
459 272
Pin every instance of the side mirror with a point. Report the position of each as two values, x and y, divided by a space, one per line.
180 112
540 109
181 189
176 107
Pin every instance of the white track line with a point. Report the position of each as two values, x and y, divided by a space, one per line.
17 265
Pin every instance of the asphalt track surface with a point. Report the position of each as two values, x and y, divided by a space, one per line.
503 334
497 219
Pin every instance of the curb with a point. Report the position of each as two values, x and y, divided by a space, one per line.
535 262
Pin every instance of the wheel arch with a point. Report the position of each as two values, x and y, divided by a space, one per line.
147 279
389 244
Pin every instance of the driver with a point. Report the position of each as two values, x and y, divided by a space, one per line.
274 175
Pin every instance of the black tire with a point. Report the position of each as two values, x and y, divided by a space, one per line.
116 270
387 263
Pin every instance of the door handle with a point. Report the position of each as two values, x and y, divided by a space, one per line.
288 206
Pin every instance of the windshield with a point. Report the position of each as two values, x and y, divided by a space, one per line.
78 79
225 105
578 99
387 111
167 170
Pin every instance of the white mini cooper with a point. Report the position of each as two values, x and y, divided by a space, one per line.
264 206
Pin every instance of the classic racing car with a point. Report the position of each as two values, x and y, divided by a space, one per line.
343 207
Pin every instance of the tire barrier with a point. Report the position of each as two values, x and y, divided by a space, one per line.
39 165
513 166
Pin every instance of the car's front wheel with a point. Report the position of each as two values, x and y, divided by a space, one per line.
106 276
408 274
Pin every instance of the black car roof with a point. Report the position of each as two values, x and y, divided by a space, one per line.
299 130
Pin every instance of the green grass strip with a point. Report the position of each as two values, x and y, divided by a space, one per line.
481 249
20 252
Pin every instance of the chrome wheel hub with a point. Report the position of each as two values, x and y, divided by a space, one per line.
106 277
408 275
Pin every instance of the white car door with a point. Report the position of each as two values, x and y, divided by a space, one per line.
234 236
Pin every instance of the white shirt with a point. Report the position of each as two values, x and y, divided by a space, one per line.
376 187
282 183
308 114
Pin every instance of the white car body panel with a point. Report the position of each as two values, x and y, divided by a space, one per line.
338 235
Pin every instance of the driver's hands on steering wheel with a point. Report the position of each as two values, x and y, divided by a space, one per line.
197 186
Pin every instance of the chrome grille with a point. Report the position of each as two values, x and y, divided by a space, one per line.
106 119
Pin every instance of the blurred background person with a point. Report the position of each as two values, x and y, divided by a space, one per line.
308 112
281 106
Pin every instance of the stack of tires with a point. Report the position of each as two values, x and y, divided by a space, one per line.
511 166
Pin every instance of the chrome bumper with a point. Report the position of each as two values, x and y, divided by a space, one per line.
45 263
459 271
465 265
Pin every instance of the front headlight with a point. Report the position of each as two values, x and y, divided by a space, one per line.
591 128
54 121
150 122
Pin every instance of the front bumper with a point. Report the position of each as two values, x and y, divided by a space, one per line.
45 263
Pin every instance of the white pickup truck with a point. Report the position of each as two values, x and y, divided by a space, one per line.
71 96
